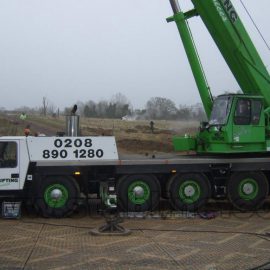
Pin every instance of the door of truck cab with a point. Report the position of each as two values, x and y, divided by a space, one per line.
9 165
249 122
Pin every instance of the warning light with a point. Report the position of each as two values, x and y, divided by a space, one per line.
77 173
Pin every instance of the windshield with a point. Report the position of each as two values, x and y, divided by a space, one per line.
220 112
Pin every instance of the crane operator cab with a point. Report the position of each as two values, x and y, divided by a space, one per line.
236 124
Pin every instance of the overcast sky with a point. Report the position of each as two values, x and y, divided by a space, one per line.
70 50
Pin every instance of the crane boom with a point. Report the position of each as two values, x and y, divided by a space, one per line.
234 43
193 57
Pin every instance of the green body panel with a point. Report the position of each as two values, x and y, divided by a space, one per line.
209 146
184 143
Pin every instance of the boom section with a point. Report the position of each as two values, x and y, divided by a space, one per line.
180 19
223 23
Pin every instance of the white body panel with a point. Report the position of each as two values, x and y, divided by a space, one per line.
72 148
51 150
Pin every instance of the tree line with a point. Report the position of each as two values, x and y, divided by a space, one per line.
119 107
156 108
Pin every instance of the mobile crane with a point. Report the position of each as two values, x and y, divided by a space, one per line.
54 172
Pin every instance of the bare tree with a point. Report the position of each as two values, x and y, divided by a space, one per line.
119 106
48 107
120 99
161 108
51 108
101 108
90 109
45 104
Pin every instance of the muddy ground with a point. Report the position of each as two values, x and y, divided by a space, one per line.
131 136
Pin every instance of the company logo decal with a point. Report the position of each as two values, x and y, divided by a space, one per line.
8 181
226 10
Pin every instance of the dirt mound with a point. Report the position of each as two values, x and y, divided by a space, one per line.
165 131
143 128
87 131
143 146
131 130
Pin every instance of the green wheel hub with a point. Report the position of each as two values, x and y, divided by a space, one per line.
138 192
248 189
189 191
56 195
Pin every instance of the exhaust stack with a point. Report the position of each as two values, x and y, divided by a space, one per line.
72 125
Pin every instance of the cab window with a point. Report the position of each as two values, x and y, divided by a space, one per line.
256 112
8 154
248 112
243 112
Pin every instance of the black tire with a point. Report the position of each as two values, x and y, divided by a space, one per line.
198 187
255 194
51 208
128 201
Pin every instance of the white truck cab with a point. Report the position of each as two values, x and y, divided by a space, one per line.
16 153
14 162
51 170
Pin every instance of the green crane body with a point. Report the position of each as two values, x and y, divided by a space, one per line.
237 123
